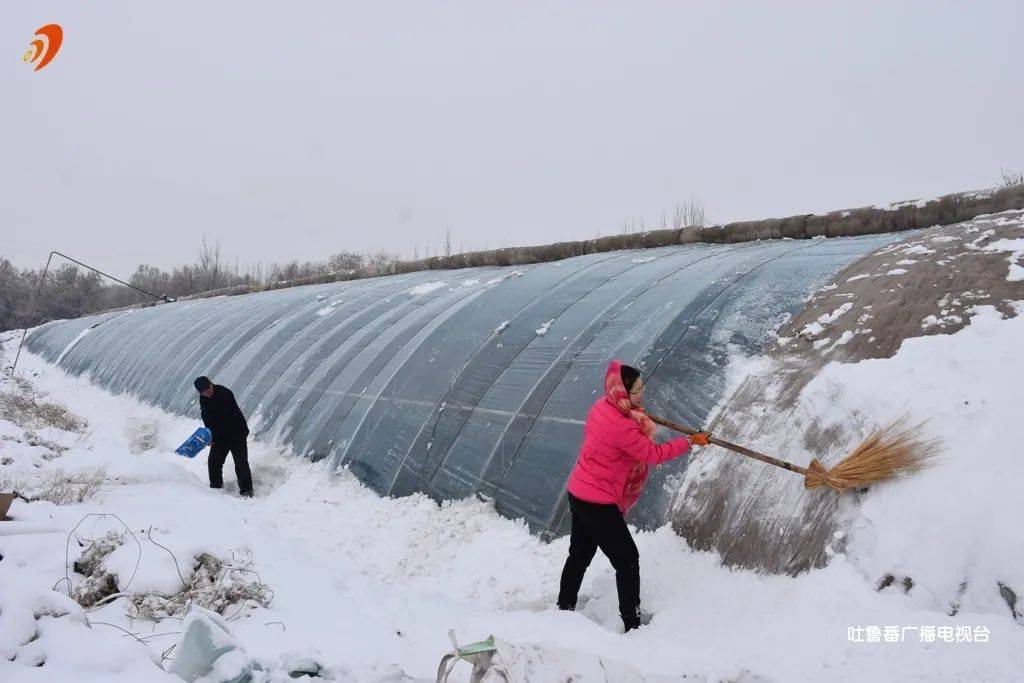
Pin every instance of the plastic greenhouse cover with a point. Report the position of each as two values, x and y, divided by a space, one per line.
474 381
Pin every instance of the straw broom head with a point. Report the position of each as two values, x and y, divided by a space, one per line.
886 453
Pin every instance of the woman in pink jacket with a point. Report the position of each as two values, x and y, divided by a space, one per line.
606 482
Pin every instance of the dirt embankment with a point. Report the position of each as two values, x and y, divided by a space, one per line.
926 284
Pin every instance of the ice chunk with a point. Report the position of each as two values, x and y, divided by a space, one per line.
297 665
231 667
205 639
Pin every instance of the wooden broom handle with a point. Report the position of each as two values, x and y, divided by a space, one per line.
731 446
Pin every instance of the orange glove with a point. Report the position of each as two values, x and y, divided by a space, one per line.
698 439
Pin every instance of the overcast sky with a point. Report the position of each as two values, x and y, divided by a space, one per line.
295 129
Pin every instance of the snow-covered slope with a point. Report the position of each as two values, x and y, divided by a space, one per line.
813 396
369 586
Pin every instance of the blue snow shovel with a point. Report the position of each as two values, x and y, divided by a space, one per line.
200 439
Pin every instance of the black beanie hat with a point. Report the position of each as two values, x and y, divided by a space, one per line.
201 383
629 376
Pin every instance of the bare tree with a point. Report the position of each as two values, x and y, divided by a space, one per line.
633 225
380 259
689 214
212 270
447 241
256 271
346 260
1011 178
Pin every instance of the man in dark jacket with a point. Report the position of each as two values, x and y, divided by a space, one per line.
225 420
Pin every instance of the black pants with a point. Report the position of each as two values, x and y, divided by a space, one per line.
240 452
602 526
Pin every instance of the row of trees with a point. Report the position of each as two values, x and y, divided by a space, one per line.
70 291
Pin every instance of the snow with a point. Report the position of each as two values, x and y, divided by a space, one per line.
897 271
502 278
72 344
427 287
544 328
813 329
1016 246
857 277
982 236
916 203
844 337
917 249
369 586
501 328
930 321
965 386
834 315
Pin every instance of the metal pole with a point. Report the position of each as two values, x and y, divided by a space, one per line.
39 288
35 299
96 270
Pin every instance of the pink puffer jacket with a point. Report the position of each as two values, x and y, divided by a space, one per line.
617 449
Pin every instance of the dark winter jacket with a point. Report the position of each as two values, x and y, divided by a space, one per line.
222 416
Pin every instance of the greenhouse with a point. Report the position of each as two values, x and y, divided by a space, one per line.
463 382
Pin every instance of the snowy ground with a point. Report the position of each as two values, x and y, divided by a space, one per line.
370 586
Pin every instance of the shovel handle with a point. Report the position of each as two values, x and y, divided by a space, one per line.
742 450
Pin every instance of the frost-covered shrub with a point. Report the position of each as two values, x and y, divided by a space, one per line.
65 488
25 407
98 582
58 487
214 585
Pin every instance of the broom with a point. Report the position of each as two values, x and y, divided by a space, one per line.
886 453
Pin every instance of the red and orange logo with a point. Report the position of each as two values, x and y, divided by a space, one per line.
44 48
